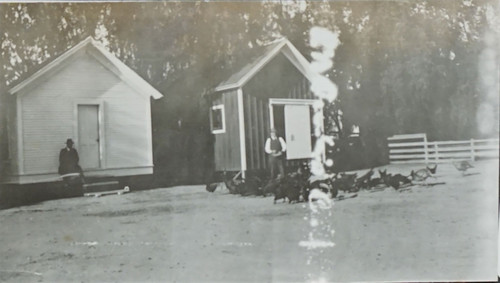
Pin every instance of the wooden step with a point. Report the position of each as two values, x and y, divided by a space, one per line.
104 193
100 186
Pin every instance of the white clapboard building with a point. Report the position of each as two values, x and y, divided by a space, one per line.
90 96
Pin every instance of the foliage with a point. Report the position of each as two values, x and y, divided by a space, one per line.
402 67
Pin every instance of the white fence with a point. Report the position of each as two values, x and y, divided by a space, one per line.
415 148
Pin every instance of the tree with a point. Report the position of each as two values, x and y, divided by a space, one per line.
394 76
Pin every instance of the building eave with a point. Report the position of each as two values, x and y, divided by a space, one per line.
123 71
284 46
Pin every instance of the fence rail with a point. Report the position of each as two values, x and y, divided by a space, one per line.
415 148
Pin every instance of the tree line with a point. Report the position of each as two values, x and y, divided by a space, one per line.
402 67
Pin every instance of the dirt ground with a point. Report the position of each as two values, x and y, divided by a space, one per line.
185 234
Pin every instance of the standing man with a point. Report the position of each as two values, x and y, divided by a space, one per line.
275 147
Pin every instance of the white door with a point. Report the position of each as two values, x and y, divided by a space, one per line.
88 136
298 131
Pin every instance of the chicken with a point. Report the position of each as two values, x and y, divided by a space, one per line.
375 182
326 186
211 187
348 182
271 187
364 181
432 170
250 186
462 166
231 184
420 175
395 181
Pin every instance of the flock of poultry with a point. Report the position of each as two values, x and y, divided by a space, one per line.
297 185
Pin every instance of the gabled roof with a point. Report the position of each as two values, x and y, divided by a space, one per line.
246 73
120 69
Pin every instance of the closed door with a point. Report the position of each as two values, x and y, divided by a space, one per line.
298 131
88 136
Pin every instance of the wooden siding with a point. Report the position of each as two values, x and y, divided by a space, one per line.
277 80
256 129
48 117
280 79
227 144
12 158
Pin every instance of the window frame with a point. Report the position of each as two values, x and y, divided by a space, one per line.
223 119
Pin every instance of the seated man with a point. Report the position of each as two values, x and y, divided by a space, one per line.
68 161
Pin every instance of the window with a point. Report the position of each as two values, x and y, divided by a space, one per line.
217 119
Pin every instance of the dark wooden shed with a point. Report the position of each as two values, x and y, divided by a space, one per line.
272 90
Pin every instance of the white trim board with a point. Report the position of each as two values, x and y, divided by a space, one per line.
241 119
286 101
54 177
291 101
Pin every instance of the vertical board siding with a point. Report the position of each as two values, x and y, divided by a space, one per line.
48 113
257 125
264 129
249 132
257 119
255 132
278 79
227 144
253 137
249 127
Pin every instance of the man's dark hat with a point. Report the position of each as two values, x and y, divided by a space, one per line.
69 141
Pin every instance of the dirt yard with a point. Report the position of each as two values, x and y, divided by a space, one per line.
443 232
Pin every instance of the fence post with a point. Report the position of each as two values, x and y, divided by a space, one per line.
426 150
472 154
436 151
